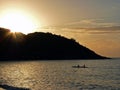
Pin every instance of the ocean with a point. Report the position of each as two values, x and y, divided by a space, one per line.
60 75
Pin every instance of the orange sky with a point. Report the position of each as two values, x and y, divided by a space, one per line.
93 23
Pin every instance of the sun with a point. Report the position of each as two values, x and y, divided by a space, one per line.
18 21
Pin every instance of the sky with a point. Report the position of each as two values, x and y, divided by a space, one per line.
93 23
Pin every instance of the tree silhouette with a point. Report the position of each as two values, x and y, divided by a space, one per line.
40 45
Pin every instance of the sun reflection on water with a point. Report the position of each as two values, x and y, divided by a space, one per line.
59 75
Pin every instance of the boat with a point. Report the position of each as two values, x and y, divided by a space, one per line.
78 66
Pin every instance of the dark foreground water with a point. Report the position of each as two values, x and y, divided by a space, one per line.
59 75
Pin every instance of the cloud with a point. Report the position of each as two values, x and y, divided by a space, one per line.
113 28
104 30
90 23
91 26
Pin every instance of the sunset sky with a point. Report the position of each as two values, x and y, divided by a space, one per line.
93 23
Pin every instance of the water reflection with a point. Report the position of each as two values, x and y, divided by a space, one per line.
59 75
21 74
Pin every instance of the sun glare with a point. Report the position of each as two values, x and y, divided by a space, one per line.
18 22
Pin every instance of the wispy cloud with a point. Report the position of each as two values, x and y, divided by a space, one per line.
88 23
113 28
92 26
97 30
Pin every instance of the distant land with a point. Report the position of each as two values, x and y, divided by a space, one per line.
41 46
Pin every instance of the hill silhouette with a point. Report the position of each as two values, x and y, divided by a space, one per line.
41 46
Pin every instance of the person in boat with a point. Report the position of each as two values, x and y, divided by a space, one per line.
84 66
78 65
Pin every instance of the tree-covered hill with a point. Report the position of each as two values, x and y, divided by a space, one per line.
41 46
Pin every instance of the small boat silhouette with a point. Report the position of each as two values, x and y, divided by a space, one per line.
78 66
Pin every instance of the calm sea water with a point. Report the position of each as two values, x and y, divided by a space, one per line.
59 75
